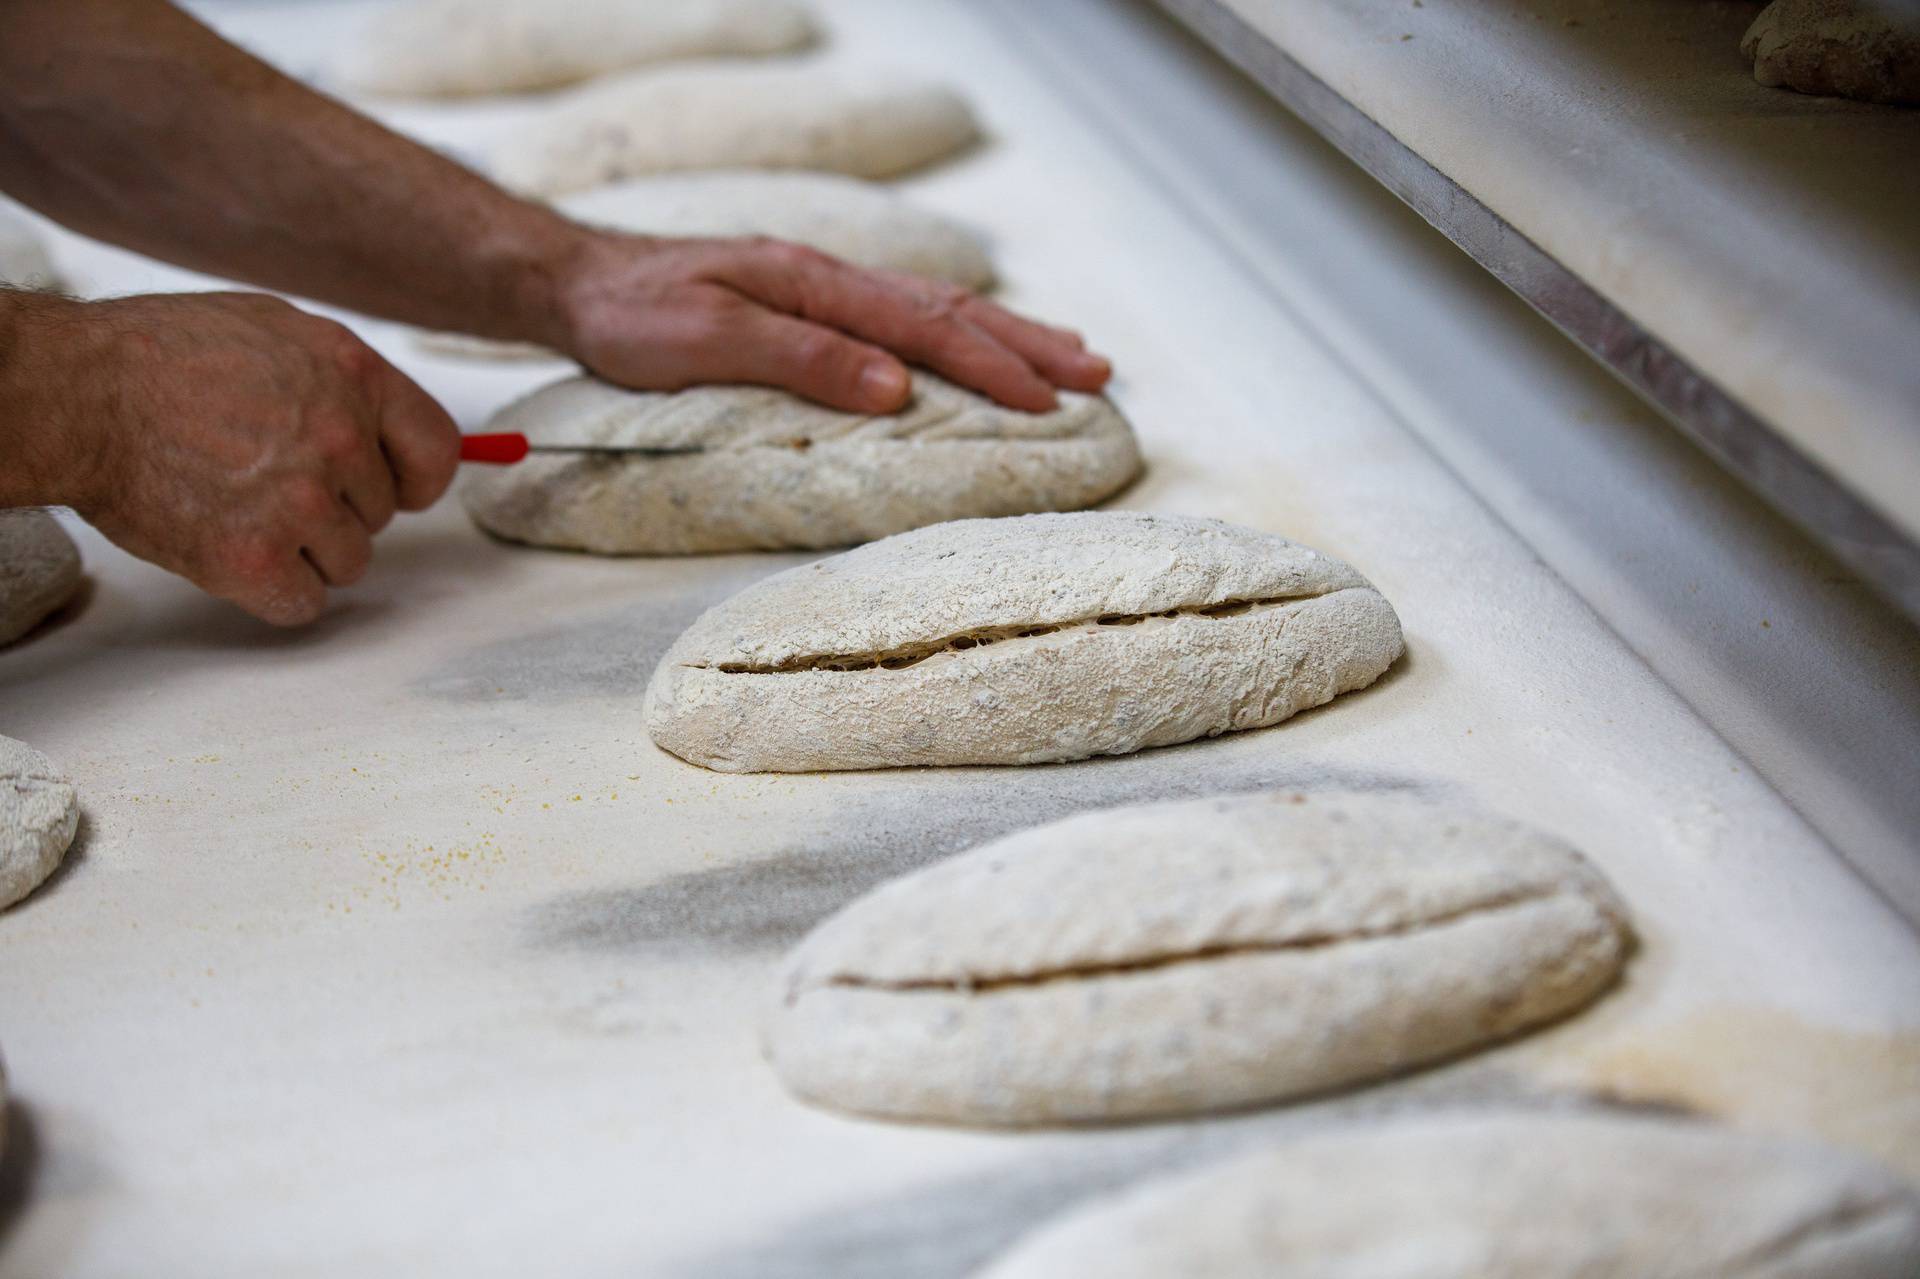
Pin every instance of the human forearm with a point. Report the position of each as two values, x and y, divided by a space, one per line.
46 462
131 122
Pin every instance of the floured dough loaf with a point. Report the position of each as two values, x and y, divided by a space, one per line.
736 116
780 472
459 48
39 814
858 221
24 263
39 570
1865 49
1019 641
862 222
1500 1196
1181 957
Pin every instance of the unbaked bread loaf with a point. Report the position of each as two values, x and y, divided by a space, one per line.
1019 641
1175 958
462 48
778 472
736 116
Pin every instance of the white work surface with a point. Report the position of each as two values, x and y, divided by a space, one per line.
392 946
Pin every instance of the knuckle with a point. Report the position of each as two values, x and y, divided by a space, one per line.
337 437
308 502
253 560
347 353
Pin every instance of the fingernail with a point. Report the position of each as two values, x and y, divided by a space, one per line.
883 382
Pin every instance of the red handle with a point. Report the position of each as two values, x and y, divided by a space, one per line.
502 450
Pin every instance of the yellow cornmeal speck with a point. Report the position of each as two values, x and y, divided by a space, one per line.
546 805
575 799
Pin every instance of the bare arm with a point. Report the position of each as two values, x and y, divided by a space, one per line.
132 122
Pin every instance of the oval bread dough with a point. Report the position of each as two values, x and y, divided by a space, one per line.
1865 49
1182 957
1019 641
24 263
861 222
735 116
779 472
39 814
459 48
1500 1196
39 570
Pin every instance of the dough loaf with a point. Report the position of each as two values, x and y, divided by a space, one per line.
862 222
1500 1196
1182 957
735 116
24 263
39 814
1019 641
39 570
460 48
1865 49
780 472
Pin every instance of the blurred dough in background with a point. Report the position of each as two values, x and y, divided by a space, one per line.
39 570
736 115
464 48
1865 49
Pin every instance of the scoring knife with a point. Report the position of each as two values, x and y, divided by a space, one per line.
507 447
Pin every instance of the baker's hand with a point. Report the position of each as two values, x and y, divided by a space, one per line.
663 314
240 442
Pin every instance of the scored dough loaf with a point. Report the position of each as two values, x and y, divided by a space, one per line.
24 263
1181 957
461 48
1500 1196
1864 49
780 472
735 116
1019 641
39 814
39 570
861 222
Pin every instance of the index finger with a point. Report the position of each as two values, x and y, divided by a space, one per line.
419 438
923 323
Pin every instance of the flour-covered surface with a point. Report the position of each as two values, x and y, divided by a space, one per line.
393 946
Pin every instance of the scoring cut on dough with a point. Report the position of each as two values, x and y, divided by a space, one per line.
736 116
1183 957
780 472
24 263
39 570
861 222
39 814
1864 49
1500 1196
1019 641
460 48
